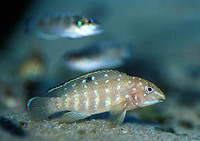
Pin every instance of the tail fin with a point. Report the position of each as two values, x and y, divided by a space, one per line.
38 108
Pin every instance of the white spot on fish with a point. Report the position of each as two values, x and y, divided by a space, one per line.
118 79
75 96
118 87
85 86
117 98
133 78
106 102
107 81
95 106
140 83
84 81
152 102
95 100
134 89
135 97
65 95
144 95
120 75
84 102
95 92
129 82
105 75
106 90
93 77
87 104
75 91
65 89
136 103
127 96
95 83
85 94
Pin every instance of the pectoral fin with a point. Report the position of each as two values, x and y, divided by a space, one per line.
71 117
118 113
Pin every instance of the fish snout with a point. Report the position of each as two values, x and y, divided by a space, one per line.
160 96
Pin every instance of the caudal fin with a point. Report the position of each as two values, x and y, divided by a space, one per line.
38 108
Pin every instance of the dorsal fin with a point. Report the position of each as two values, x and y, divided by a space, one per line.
86 78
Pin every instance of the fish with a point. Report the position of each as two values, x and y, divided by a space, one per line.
100 55
63 25
33 67
95 92
10 98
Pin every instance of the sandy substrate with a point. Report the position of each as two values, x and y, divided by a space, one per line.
20 127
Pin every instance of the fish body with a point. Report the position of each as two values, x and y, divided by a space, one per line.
62 25
102 55
96 92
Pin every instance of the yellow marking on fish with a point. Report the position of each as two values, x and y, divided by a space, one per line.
58 105
76 101
67 102
96 99
87 103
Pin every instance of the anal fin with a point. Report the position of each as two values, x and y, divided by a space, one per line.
70 117
117 113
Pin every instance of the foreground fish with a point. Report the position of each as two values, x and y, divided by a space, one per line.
102 55
96 92
64 25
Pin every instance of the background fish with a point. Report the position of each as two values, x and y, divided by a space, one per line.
102 55
93 93
62 25
33 67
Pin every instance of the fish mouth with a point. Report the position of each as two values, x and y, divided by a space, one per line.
161 99
161 96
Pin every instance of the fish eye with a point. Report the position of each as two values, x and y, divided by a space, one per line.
149 89
79 23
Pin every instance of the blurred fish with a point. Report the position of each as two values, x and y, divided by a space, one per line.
103 55
33 68
62 25
12 96
95 92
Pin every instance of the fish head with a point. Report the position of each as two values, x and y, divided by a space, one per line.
145 94
87 27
